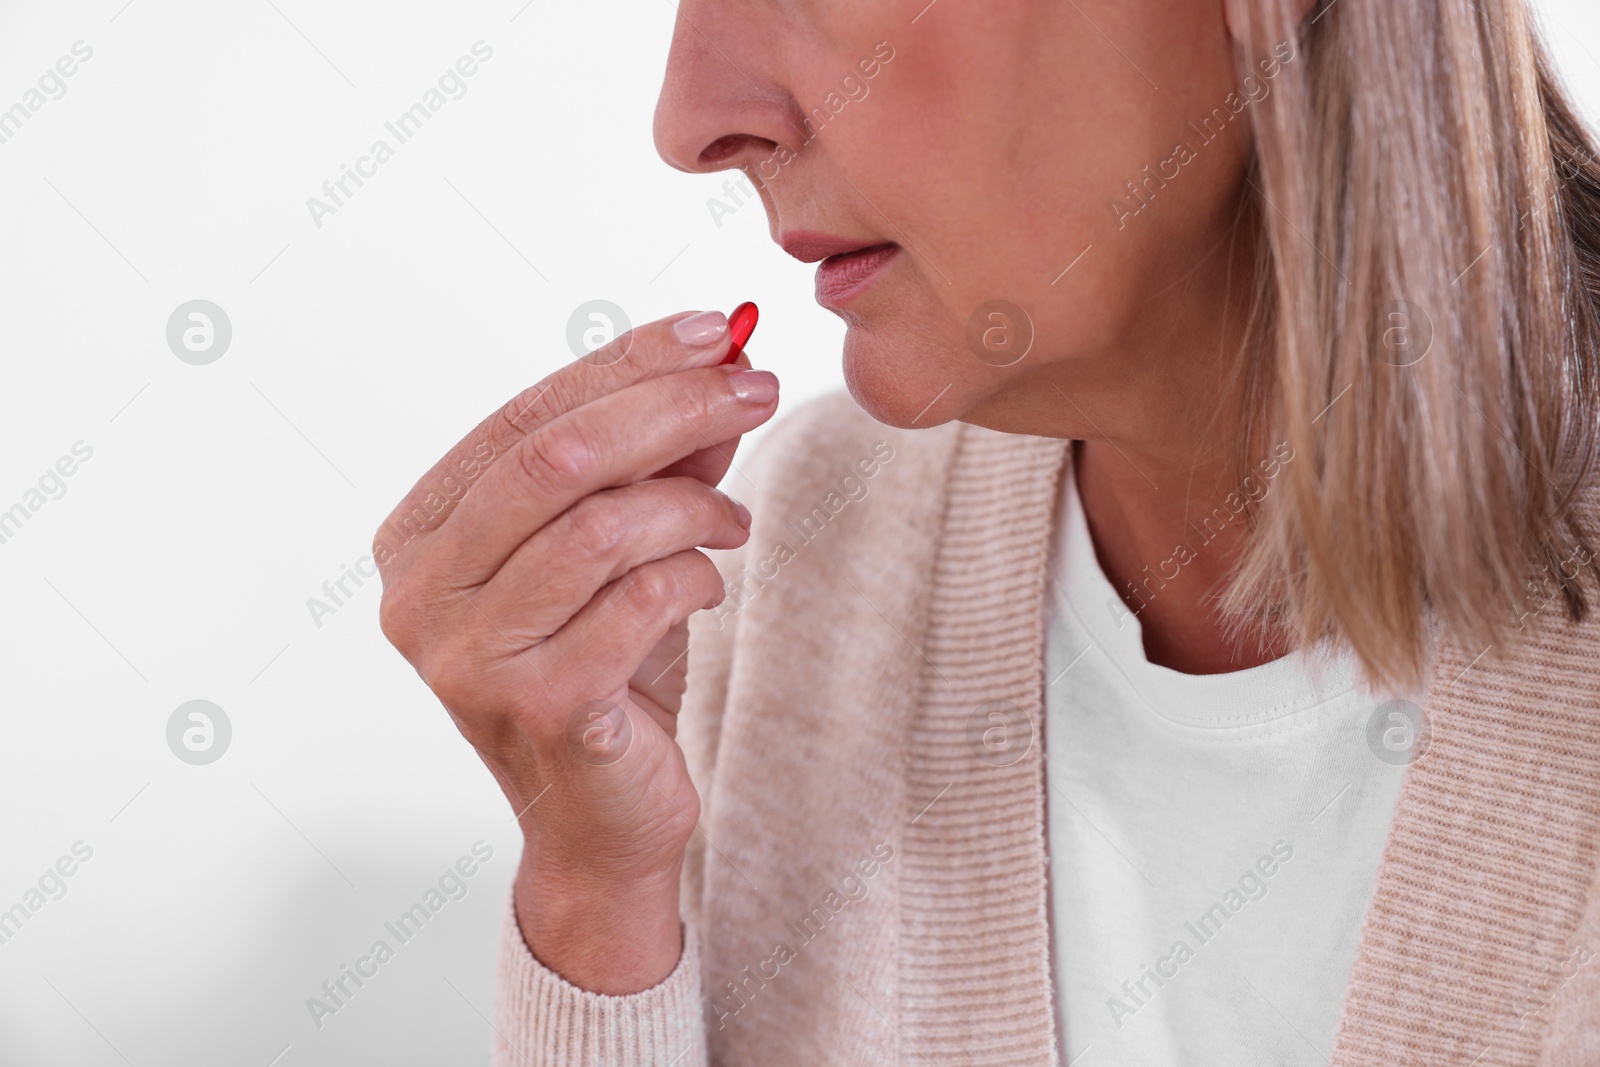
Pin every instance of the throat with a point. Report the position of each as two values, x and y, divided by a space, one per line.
1170 552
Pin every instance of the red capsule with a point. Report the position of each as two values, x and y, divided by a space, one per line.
741 324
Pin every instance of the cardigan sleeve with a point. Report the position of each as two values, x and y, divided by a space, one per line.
545 1021
542 1020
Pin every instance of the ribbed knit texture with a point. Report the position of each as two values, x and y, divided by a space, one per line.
552 1023
1486 870
973 901
881 686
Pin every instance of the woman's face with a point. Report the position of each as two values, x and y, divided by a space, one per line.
1079 160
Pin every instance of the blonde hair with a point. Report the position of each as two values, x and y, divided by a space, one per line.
1424 333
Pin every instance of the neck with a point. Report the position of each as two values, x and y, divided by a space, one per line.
1169 549
1157 418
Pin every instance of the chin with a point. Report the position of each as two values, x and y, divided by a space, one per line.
894 371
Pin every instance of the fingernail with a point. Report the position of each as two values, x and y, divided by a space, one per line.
741 513
754 386
700 330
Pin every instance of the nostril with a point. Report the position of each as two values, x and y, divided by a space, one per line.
724 148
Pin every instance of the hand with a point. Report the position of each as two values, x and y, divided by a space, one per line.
539 578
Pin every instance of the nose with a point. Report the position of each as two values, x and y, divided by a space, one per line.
723 103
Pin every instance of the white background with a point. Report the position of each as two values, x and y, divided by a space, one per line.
219 498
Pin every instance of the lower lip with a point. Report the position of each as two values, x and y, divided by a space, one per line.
843 276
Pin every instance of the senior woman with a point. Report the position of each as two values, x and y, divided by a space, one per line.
1177 648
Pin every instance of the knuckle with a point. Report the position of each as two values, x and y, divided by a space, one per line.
554 458
648 588
612 352
596 527
532 408
386 548
700 401
686 397
395 618
444 672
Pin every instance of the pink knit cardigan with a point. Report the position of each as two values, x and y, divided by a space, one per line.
864 889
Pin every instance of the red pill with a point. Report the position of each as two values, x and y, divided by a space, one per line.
741 324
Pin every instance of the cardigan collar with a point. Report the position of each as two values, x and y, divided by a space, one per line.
975 776
1483 879
1490 859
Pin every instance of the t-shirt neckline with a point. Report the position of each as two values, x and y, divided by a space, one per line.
1105 625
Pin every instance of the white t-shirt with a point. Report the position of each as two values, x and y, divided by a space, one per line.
1213 838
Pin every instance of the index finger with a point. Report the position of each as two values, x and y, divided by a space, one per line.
648 351
710 463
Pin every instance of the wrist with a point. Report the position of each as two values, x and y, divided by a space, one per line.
602 937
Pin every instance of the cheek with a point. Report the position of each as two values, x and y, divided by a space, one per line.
995 148
998 167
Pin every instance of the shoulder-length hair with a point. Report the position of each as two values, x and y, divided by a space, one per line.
1424 331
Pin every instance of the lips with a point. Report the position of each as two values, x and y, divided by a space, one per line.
846 265
809 247
842 276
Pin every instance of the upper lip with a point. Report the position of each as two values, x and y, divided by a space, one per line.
810 247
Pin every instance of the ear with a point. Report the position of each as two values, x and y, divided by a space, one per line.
1263 23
